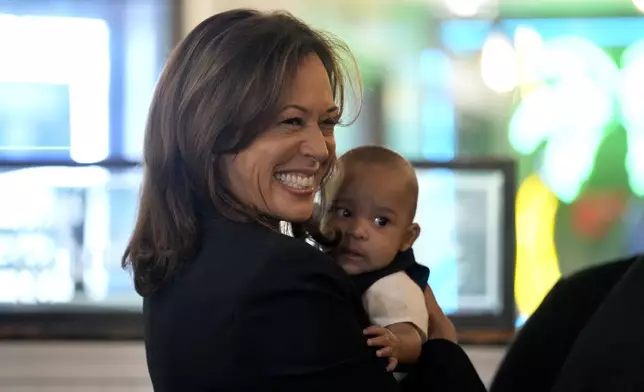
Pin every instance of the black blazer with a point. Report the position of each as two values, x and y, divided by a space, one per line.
535 360
608 354
260 311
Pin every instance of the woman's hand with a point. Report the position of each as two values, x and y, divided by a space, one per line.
390 343
440 326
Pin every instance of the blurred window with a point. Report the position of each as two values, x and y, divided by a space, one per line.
76 77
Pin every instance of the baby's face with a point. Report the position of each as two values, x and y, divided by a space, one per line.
373 213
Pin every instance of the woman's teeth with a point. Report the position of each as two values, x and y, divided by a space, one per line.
297 181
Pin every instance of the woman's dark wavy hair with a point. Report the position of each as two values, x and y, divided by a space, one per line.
219 90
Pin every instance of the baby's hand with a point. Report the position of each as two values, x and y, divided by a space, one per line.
382 337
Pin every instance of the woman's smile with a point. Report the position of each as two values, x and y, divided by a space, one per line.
301 184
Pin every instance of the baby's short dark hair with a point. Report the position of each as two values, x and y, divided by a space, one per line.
383 156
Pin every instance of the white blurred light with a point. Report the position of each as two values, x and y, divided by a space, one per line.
35 187
67 51
25 285
55 177
639 4
528 45
464 8
97 283
527 39
631 94
499 68
53 287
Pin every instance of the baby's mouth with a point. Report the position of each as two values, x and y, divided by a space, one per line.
351 253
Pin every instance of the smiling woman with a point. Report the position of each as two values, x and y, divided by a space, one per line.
240 120
239 139
282 169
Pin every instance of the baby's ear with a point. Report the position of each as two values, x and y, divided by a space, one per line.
413 231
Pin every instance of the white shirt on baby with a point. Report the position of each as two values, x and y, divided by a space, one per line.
394 299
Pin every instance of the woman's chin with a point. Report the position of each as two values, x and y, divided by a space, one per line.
291 205
295 212
297 218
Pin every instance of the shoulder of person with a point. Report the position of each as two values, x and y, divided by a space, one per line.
258 260
293 280
289 259
600 277
607 352
576 297
278 260
224 236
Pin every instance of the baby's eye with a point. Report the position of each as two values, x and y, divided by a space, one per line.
342 212
381 221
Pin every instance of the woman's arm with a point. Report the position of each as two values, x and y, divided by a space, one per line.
443 365
409 340
301 330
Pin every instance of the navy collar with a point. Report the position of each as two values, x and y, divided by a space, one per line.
404 261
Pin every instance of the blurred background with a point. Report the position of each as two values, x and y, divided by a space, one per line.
533 104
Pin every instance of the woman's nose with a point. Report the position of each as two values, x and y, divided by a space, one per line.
314 145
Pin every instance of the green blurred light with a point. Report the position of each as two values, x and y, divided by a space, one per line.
632 113
583 92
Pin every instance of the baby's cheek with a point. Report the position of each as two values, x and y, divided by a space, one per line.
379 260
384 255
329 225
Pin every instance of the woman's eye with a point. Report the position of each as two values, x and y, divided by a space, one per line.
381 221
330 123
296 121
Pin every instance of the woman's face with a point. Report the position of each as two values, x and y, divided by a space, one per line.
281 170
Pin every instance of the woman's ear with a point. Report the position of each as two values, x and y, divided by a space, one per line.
413 231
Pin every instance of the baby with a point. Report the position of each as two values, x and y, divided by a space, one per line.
373 206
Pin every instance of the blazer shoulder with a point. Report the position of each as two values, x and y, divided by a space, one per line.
267 259
291 258
603 275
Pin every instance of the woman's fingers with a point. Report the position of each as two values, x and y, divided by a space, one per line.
393 362
440 326
430 301
385 352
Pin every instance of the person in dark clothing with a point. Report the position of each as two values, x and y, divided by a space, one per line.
535 359
240 138
608 354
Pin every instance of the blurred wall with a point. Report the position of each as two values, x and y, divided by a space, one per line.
386 38
193 12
